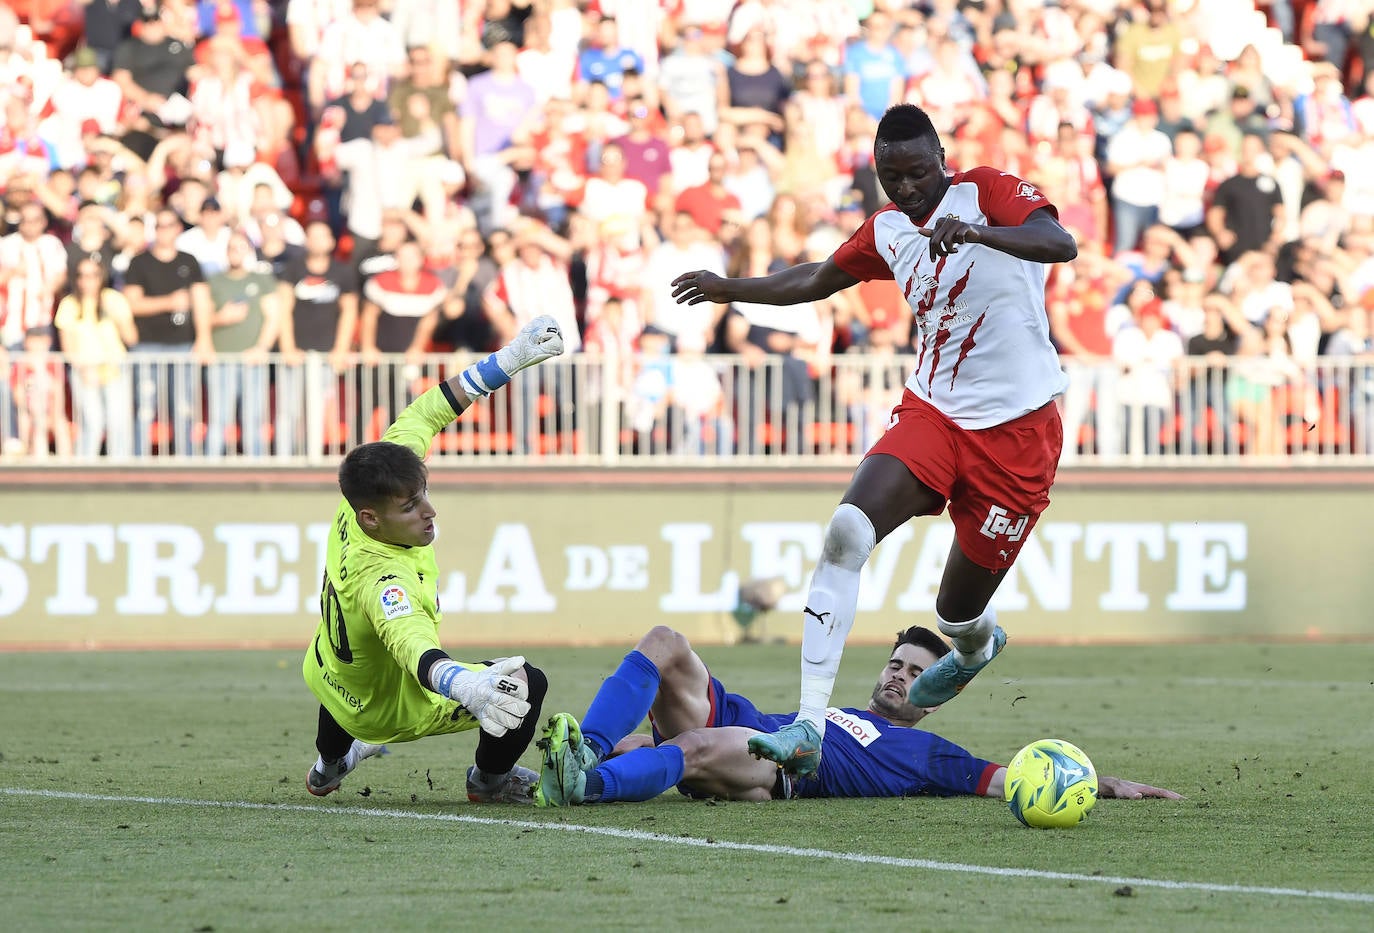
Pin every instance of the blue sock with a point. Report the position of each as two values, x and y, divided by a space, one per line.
621 704
642 774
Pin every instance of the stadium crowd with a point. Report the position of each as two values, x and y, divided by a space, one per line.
192 181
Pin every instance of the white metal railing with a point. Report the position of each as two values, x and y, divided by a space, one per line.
167 409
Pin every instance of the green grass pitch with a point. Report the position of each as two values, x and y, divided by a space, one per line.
169 796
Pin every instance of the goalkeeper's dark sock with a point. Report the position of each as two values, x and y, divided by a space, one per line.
498 755
621 704
642 774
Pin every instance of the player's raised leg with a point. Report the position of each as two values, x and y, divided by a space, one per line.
882 495
966 619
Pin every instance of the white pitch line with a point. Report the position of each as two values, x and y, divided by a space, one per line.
640 836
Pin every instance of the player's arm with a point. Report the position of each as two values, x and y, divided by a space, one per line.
495 699
1039 238
433 411
809 281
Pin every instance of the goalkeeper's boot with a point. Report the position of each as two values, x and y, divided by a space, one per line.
562 779
517 787
795 747
323 783
942 681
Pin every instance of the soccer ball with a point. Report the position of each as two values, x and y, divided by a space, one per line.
1051 784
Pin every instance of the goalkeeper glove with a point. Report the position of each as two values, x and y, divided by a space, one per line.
496 700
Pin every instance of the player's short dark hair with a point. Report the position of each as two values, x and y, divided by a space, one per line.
904 122
922 638
373 473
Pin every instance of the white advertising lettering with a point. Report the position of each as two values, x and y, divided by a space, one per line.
272 569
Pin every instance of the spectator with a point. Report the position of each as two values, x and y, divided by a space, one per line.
381 171
948 89
361 37
1070 176
150 68
23 153
685 248
1146 354
435 25
359 111
1252 287
545 69
1247 210
611 198
172 309
1243 117
614 263
426 75
1185 186
276 249
504 21
96 328
708 203
757 90
33 272
1215 343
208 239
91 239
1324 116
463 325
83 96
306 22
245 324
647 157
692 80
1261 371
604 60
107 24
1147 48
498 102
874 72
690 156
318 299
400 308
1135 158
533 282
1078 299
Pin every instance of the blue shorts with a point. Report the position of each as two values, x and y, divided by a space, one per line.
733 709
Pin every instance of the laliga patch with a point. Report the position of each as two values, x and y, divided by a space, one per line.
858 729
395 602
1027 190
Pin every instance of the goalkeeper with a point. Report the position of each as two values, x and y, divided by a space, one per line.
375 663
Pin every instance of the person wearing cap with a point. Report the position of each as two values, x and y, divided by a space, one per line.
1135 158
81 98
207 237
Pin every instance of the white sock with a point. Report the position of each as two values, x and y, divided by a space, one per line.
972 640
830 606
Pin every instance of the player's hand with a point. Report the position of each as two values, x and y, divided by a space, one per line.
948 233
1122 789
693 288
496 700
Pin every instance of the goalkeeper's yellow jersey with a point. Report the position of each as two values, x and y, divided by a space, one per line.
379 612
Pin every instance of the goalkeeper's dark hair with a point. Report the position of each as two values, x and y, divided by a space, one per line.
904 122
374 473
922 638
